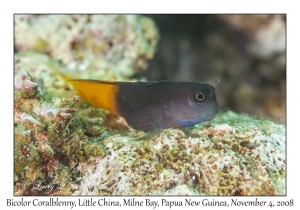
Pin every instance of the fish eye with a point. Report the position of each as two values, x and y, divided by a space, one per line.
199 97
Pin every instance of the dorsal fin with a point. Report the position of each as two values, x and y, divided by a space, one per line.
156 82
141 84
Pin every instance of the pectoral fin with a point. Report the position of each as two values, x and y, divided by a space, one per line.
147 119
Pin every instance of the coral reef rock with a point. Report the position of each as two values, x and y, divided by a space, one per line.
51 138
54 130
231 155
108 44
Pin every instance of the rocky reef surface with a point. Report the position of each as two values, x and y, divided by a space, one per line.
111 47
54 130
232 155
52 135
63 146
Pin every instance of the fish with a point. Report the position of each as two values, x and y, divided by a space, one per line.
152 106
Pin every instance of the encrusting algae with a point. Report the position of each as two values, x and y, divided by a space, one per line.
232 155
64 146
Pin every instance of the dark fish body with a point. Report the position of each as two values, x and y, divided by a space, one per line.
150 106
